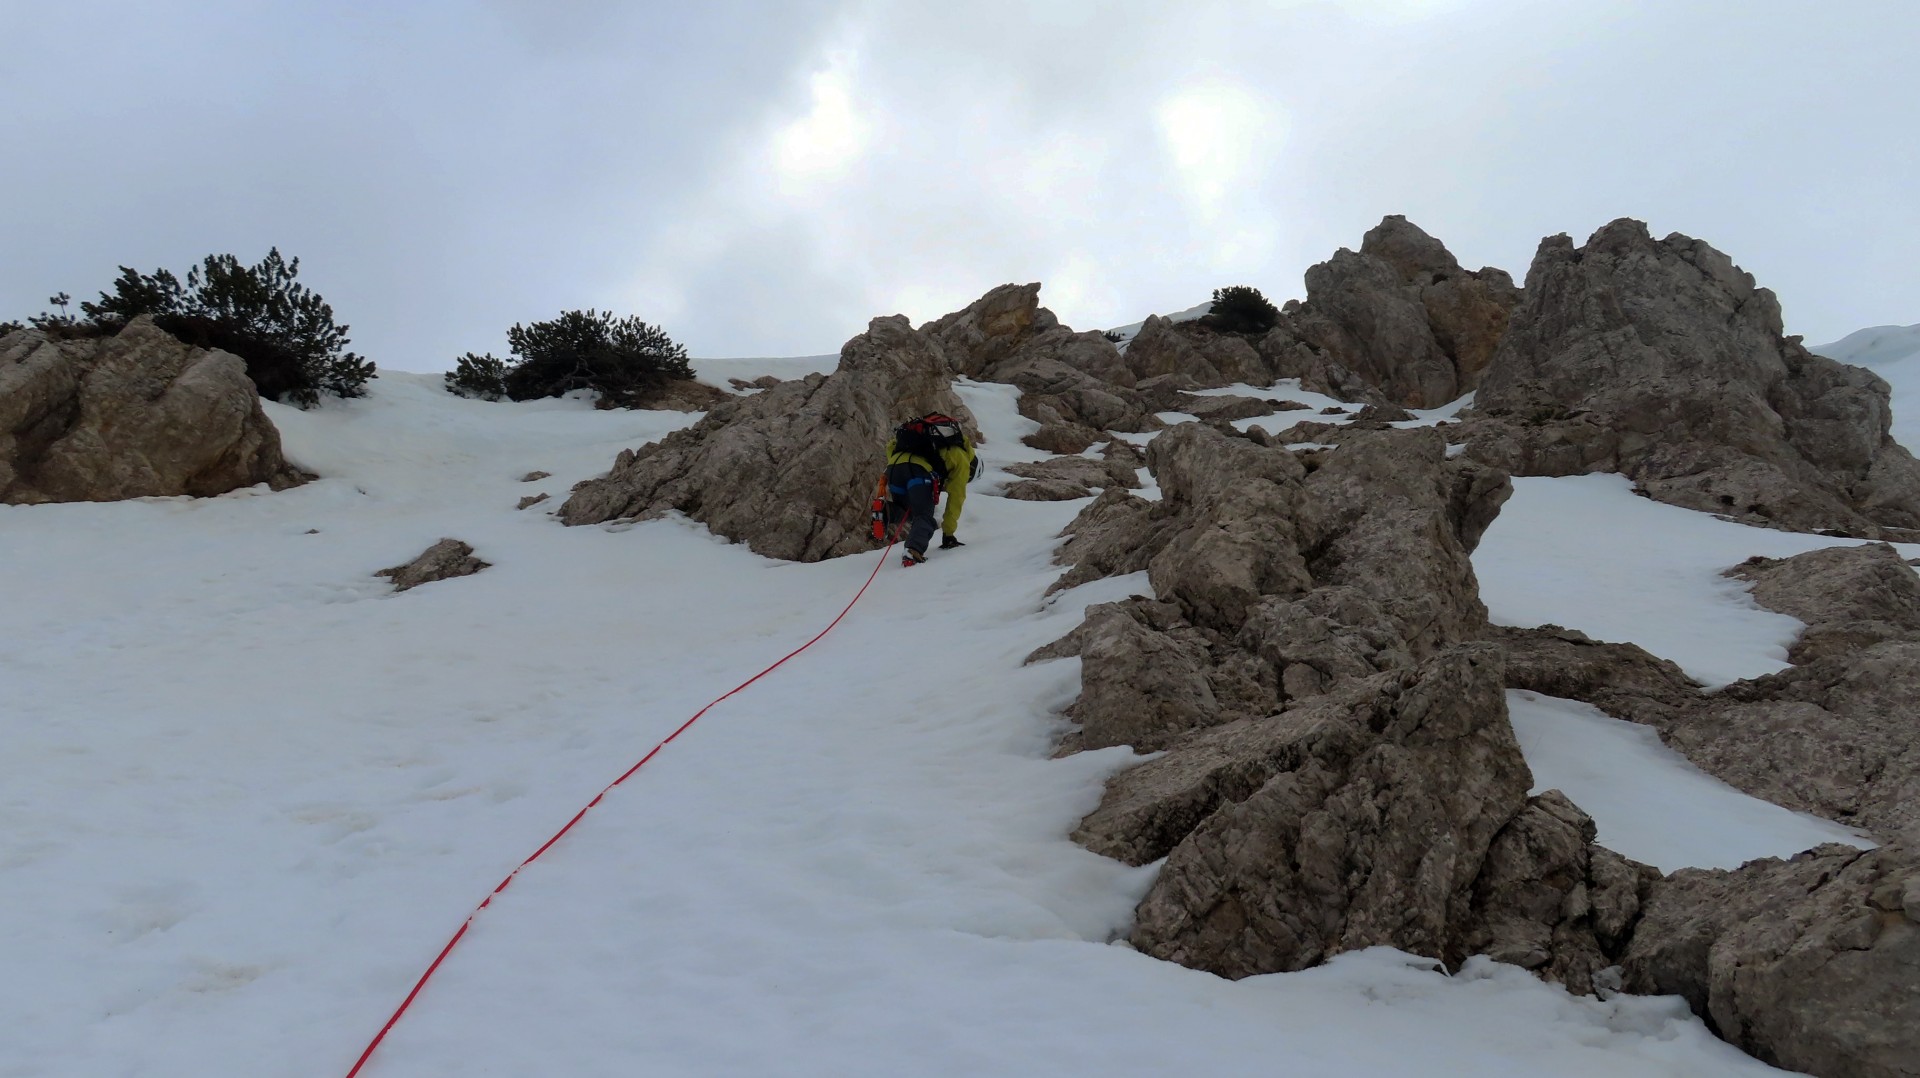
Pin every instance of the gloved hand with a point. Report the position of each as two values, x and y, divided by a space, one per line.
948 542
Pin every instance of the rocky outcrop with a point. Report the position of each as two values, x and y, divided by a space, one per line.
683 395
138 414
1085 471
1065 378
788 470
1809 964
1850 597
1401 314
1369 826
1661 360
1195 350
1337 769
1548 899
444 560
1623 680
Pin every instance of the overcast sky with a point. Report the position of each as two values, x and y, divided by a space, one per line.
763 177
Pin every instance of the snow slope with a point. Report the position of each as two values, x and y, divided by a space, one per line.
248 793
1874 347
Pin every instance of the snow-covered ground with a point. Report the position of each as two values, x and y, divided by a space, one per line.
248 792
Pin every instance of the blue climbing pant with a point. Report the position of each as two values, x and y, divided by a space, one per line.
911 494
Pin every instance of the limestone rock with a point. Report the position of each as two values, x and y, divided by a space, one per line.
535 477
1144 685
1834 737
1225 409
1288 356
1623 680
1046 490
1549 900
531 500
1661 359
1085 471
789 470
1808 964
1850 596
1403 315
139 414
1371 830
1062 438
444 560
1196 351
683 395
1065 378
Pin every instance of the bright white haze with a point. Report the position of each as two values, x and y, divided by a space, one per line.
762 178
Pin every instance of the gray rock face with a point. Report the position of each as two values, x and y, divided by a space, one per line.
1065 378
1338 770
1549 900
139 414
1811 964
1370 826
1192 349
444 560
1045 490
789 470
1062 438
1403 315
1851 597
1660 359
1085 471
1623 680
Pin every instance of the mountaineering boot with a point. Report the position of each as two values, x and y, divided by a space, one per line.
911 558
948 542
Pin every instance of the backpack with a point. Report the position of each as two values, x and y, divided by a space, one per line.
926 436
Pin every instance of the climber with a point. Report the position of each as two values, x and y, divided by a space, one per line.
924 455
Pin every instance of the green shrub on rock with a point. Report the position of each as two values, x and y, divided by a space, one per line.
624 360
283 330
1242 309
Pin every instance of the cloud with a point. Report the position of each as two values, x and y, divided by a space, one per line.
763 178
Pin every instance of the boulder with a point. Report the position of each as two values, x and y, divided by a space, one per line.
1085 471
1062 438
788 471
1403 315
1548 899
1370 829
1195 350
1850 597
1065 378
1046 490
683 395
1240 520
1623 680
444 560
1811 964
1661 360
138 414
1226 409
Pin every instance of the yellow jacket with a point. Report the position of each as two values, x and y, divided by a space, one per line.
954 468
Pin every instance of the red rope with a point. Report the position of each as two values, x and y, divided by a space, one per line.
628 773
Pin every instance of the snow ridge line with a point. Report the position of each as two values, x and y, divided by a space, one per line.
628 773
